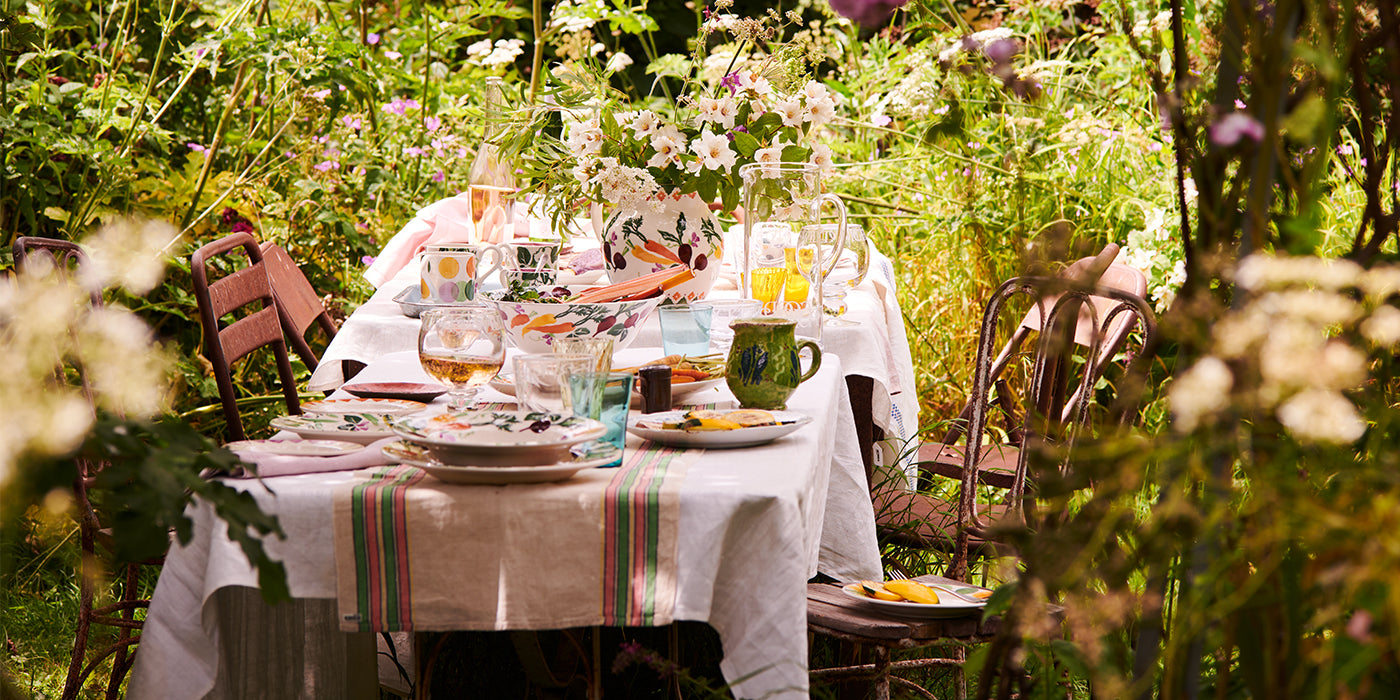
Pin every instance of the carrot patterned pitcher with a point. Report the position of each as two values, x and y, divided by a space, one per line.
764 368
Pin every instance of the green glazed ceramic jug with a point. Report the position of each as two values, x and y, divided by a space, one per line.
763 368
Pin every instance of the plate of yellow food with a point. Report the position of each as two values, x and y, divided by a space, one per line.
716 429
916 599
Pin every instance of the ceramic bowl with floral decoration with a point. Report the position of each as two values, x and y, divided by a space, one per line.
535 326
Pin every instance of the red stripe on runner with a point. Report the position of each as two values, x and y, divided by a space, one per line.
400 520
372 557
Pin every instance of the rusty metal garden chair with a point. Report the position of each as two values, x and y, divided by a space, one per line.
239 315
69 257
297 301
1058 394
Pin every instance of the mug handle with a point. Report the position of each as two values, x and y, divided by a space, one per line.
816 359
482 270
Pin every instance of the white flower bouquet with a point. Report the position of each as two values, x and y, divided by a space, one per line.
760 108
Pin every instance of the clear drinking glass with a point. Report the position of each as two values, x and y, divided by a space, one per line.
600 349
685 328
461 347
725 311
541 381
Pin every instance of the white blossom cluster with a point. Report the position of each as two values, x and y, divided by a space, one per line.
1157 25
49 325
502 53
623 159
1285 352
1155 251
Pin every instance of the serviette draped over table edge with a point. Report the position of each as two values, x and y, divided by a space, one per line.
614 530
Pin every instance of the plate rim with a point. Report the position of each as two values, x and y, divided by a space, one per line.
346 446
596 431
434 389
406 406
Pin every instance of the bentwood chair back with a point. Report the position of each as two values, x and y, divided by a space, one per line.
1057 393
239 314
65 255
68 257
300 307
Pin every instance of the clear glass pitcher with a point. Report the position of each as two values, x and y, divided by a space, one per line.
779 267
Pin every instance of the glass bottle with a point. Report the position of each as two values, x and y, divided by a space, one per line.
491 180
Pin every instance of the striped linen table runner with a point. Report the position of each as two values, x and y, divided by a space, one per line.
413 553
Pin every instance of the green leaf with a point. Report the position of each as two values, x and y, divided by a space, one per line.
745 144
56 213
672 65
708 185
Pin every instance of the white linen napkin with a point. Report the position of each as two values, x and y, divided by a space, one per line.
270 465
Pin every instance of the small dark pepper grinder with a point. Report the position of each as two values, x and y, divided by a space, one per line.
655 388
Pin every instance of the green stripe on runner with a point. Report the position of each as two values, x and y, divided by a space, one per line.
357 525
652 505
389 559
623 537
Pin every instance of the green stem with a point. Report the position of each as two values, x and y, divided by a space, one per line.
239 82
537 57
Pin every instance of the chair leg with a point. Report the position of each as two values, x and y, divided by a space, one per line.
882 672
73 683
121 663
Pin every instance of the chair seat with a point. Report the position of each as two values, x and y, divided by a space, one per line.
836 614
917 519
997 466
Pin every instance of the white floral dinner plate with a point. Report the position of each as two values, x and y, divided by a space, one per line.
649 427
419 456
386 407
363 428
948 605
498 438
302 448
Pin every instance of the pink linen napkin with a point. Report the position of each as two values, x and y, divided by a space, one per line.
444 221
270 465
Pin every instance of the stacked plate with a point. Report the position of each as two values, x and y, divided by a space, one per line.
498 447
355 420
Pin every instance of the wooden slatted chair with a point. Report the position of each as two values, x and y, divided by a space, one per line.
229 336
297 301
69 257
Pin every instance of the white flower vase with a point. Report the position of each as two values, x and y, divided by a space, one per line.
640 241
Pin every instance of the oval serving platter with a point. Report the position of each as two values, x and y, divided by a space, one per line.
385 407
649 427
363 428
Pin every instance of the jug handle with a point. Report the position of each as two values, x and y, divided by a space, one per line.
816 358
840 243
482 271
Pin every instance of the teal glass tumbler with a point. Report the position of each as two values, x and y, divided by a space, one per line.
606 397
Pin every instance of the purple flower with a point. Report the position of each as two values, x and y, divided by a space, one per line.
400 105
393 55
326 166
1235 126
1344 149
372 39
439 176
368 260
731 81
867 12
197 148
242 227
881 120
413 151
432 123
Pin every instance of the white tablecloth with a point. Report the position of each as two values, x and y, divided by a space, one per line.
756 524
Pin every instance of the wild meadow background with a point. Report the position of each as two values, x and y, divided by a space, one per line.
974 140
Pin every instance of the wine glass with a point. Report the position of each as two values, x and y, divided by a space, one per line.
462 347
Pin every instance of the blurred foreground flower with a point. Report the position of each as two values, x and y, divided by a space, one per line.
867 12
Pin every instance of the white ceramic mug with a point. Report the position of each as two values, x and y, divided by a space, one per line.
452 273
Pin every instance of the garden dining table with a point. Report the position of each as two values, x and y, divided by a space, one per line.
753 525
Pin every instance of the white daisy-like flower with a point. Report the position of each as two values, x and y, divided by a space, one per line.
713 150
821 156
624 118
1318 415
617 62
771 155
751 81
1200 392
814 90
791 111
645 124
708 111
726 111
820 110
668 147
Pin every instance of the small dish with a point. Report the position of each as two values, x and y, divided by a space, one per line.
412 304
383 407
299 448
419 456
498 438
649 427
948 604
505 384
409 391
363 428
